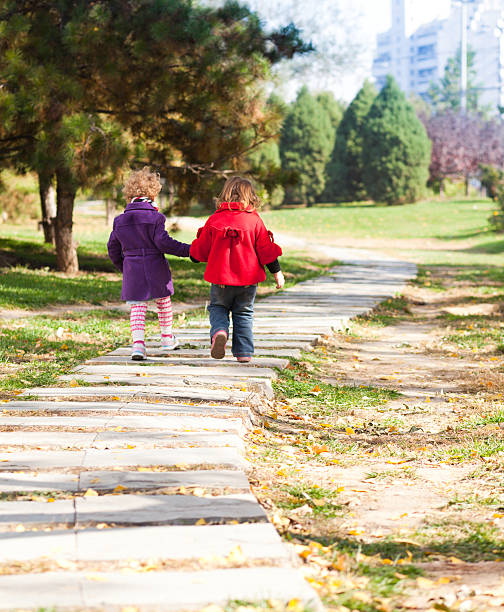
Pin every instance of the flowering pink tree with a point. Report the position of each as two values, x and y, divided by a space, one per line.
461 143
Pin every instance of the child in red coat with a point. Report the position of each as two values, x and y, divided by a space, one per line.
236 244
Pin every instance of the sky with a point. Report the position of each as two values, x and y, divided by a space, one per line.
358 21
337 28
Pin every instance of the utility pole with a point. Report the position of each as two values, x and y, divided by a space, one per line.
463 57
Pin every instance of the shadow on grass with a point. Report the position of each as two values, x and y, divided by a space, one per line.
24 288
473 542
40 255
491 247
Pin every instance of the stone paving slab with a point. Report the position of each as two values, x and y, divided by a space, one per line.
160 422
258 362
138 391
94 458
120 407
193 381
229 457
164 590
101 480
154 354
40 460
111 439
11 482
166 509
290 320
283 341
44 438
205 479
250 384
256 541
239 370
134 510
203 331
32 512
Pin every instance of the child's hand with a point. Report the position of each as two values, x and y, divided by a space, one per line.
280 280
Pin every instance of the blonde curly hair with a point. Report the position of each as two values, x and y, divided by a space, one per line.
142 184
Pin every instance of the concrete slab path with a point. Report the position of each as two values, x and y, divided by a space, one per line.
146 465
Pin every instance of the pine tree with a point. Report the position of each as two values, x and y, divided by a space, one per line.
184 79
396 150
305 145
344 171
445 95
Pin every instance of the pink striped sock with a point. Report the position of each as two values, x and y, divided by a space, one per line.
137 321
165 315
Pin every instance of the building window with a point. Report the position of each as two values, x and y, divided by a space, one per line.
426 72
426 51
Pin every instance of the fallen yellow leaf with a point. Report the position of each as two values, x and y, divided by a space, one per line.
91 493
424 583
236 555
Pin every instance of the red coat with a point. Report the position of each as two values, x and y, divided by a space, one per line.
236 245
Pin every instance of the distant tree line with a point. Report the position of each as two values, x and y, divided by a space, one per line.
376 148
386 148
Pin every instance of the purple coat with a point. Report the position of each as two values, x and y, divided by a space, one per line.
136 246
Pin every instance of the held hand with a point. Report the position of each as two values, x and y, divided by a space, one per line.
280 280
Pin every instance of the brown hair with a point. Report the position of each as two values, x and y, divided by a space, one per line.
142 184
237 189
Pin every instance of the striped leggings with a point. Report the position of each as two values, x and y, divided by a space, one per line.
137 318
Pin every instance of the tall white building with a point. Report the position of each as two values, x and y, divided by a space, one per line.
417 55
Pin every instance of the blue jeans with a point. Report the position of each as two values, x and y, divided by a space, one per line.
240 302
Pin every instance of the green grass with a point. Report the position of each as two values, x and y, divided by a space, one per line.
32 354
450 220
475 334
29 281
473 449
23 287
325 398
386 313
320 499
458 230
489 419
470 541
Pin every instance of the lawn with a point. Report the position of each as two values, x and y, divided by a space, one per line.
453 232
29 281
35 350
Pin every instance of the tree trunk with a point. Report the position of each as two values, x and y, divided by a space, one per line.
171 196
467 185
66 253
48 206
110 207
441 188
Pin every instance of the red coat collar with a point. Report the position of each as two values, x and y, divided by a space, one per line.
225 206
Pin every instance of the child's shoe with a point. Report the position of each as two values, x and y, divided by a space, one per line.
219 340
169 343
244 359
138 352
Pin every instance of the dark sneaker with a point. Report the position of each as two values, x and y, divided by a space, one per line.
218 349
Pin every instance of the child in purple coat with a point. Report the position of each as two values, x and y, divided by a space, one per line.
136 247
